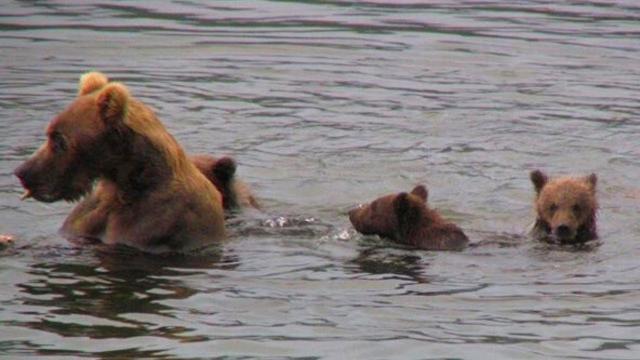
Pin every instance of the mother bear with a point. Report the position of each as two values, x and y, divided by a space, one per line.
148 194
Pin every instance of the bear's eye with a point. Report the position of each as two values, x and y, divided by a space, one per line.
58 142
553 208
576 208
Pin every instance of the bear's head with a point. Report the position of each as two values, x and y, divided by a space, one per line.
220 172
566 207
65 166
391 215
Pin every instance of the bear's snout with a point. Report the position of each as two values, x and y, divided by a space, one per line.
25 174
352 213
36 181
563 231
28 179
356 216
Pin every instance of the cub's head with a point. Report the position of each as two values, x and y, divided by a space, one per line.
390 215
221 173
566 207
65 166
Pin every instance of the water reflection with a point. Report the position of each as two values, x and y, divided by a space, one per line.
120 294
387 261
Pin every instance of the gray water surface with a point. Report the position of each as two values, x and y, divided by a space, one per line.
326 105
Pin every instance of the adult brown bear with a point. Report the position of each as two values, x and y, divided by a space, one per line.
148 195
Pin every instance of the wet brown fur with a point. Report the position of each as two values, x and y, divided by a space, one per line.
222 173
565 207
406 218
148 194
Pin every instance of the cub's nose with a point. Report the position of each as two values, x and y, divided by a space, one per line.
563 231
353 212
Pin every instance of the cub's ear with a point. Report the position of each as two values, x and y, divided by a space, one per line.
539 180
592 181
421 192
407 211
224 169
91 82
112 102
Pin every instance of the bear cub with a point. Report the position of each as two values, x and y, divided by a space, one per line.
565 208
222 173
407 219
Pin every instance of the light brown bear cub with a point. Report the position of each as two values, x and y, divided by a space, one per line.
148 194
222 173
565 207
406 218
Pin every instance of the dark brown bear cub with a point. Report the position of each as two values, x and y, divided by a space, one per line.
565 208
407 219
221 172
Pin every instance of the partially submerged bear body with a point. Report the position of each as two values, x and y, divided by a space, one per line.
565 208
222 173
406 218
148 194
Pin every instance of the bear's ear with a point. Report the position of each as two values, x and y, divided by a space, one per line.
421 192
91 82
592 181
112 102
224 169
539 179
407 212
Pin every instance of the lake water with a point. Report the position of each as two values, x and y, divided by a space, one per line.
326 105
